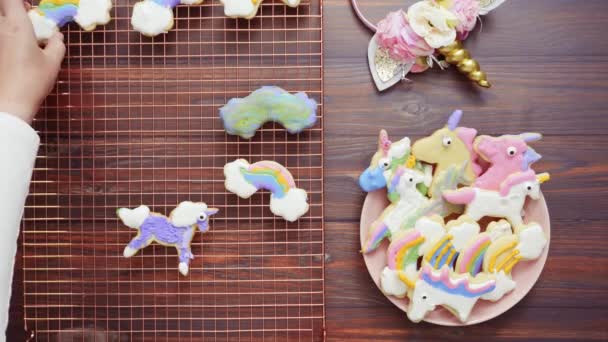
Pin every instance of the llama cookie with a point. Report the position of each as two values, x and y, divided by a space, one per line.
177 230
51 15
506 155
153 17
507 203
286 200
243 117
248 8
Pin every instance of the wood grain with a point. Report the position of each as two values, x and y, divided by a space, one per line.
548 62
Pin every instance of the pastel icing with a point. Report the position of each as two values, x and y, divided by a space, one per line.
243 117
506 203
248 8
286 200
507 154
457 292
153 17
177 230
50 15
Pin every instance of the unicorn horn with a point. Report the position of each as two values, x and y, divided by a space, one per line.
530 137
411 162
454 119
384 143
457 55
543 177
530 157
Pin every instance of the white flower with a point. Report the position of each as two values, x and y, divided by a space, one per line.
434 23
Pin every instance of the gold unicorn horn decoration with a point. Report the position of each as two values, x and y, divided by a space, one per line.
457 55
543 177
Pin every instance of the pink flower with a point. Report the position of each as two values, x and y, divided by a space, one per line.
403 44
466 11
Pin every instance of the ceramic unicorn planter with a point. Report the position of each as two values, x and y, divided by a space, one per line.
177 230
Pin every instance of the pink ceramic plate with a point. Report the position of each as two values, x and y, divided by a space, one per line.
525 273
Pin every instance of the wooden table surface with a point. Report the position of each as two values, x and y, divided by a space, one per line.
548 61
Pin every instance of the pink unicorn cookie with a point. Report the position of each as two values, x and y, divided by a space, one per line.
506 155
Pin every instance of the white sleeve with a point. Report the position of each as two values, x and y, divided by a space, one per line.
18 149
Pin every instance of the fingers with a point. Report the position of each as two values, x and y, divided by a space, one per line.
55 49
11 8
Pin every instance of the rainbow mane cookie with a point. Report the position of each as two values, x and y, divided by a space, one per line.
50 15
153 17
507 203
177 230
456 292
243 117
286 200
248 8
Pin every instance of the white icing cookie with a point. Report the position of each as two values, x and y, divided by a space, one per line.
152 18
248 8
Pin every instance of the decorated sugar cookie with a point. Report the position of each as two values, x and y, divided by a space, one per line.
456 292
286 200
177 230
507 203
448 146
440 245
248 8
243 117
51 15
507 154
153 17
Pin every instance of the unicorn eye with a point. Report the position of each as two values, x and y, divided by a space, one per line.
385 163
203 217
424 297
511 151
529 187
411 180
447 141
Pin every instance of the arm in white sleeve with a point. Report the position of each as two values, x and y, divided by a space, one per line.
18 149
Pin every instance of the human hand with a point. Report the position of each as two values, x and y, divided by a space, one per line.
27 71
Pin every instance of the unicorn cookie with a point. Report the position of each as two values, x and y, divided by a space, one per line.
456 292
507 154
248 8
177 230
449 146
153 17
50 15
286 200
507 203
243 117
440 245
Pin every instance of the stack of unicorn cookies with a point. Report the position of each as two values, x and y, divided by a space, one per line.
454 220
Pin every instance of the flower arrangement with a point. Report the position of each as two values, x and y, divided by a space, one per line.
430 32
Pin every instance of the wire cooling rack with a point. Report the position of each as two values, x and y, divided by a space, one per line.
134 120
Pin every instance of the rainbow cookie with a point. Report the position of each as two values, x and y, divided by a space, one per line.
286 200
243 117
507 203
153 17
456 292
177 230
248 8
50 15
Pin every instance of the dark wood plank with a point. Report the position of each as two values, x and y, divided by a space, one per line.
548 65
